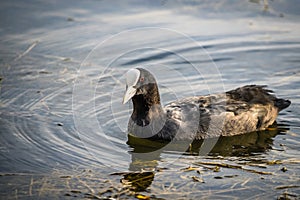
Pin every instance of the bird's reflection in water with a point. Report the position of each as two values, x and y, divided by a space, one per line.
245 145
146 153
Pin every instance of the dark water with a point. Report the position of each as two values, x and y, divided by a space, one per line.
62 124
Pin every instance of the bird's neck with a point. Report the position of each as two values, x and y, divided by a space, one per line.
146 107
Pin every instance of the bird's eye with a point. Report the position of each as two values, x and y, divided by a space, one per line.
142 79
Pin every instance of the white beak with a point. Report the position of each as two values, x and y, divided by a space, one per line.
132 77
130 92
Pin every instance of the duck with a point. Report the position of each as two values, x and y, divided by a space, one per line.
242 110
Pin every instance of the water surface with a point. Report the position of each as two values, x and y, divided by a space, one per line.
63 127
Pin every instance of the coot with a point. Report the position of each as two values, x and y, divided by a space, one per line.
242 110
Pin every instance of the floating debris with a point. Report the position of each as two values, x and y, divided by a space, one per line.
66 59
284 169
198 179
66 176
44 72
218 177
231 167
141 196
75 191
216 169
189 168
230 176
60 124
27 50
287 187
274 162
287 196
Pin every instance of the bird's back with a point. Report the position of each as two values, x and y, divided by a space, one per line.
245 109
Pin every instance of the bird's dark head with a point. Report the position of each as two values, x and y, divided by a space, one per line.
140 82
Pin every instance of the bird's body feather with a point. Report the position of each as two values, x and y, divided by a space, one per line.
245 109
242 110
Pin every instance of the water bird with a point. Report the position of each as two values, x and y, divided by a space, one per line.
245 109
